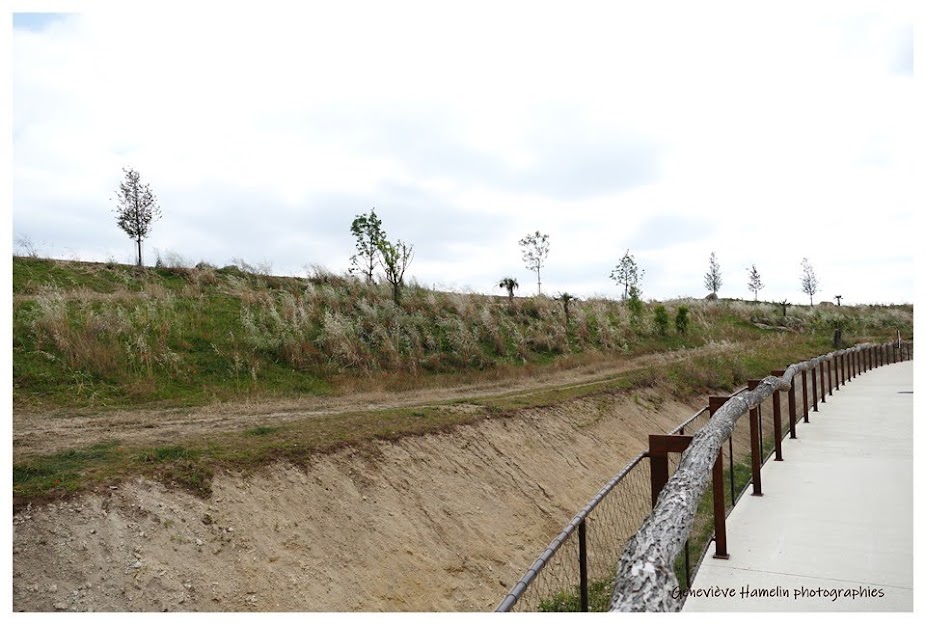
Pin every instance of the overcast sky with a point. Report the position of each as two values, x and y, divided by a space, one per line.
764 132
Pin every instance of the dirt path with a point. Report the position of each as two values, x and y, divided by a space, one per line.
39 433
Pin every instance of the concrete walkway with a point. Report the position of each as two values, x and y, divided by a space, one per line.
836 515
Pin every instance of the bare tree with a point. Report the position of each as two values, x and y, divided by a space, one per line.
368 232
627 273
136 209
536 248
809 283
755 282
395 257
712 279
27 247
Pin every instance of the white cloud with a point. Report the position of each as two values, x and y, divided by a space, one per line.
786 128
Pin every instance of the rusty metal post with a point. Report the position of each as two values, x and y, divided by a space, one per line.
658 471
822 382
713 405
720 515
660 445
583 569
776 418
813 388
755 439
804 395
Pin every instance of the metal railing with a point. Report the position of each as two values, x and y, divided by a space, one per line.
576 571
645 579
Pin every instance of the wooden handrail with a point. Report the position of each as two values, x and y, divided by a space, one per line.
646 579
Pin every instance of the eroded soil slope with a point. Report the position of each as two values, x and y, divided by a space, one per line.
442 522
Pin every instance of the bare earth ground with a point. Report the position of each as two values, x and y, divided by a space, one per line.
442 522
39 433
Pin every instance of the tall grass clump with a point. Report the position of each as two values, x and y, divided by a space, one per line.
87 332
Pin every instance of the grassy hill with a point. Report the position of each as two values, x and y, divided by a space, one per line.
89 338
92 335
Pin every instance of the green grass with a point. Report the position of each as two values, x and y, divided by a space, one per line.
191 463
91 337
599 598
97 336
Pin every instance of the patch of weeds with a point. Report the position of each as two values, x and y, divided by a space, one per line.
193 477
599 598
63 471
173 452
262 430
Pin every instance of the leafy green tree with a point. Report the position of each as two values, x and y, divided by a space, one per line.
661 319
627 273
755 282
369 234
509 284
681 319
395 258
712 279
635 305
136 209
535 248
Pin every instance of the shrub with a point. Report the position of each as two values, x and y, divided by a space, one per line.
635 305
681 319
661 319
